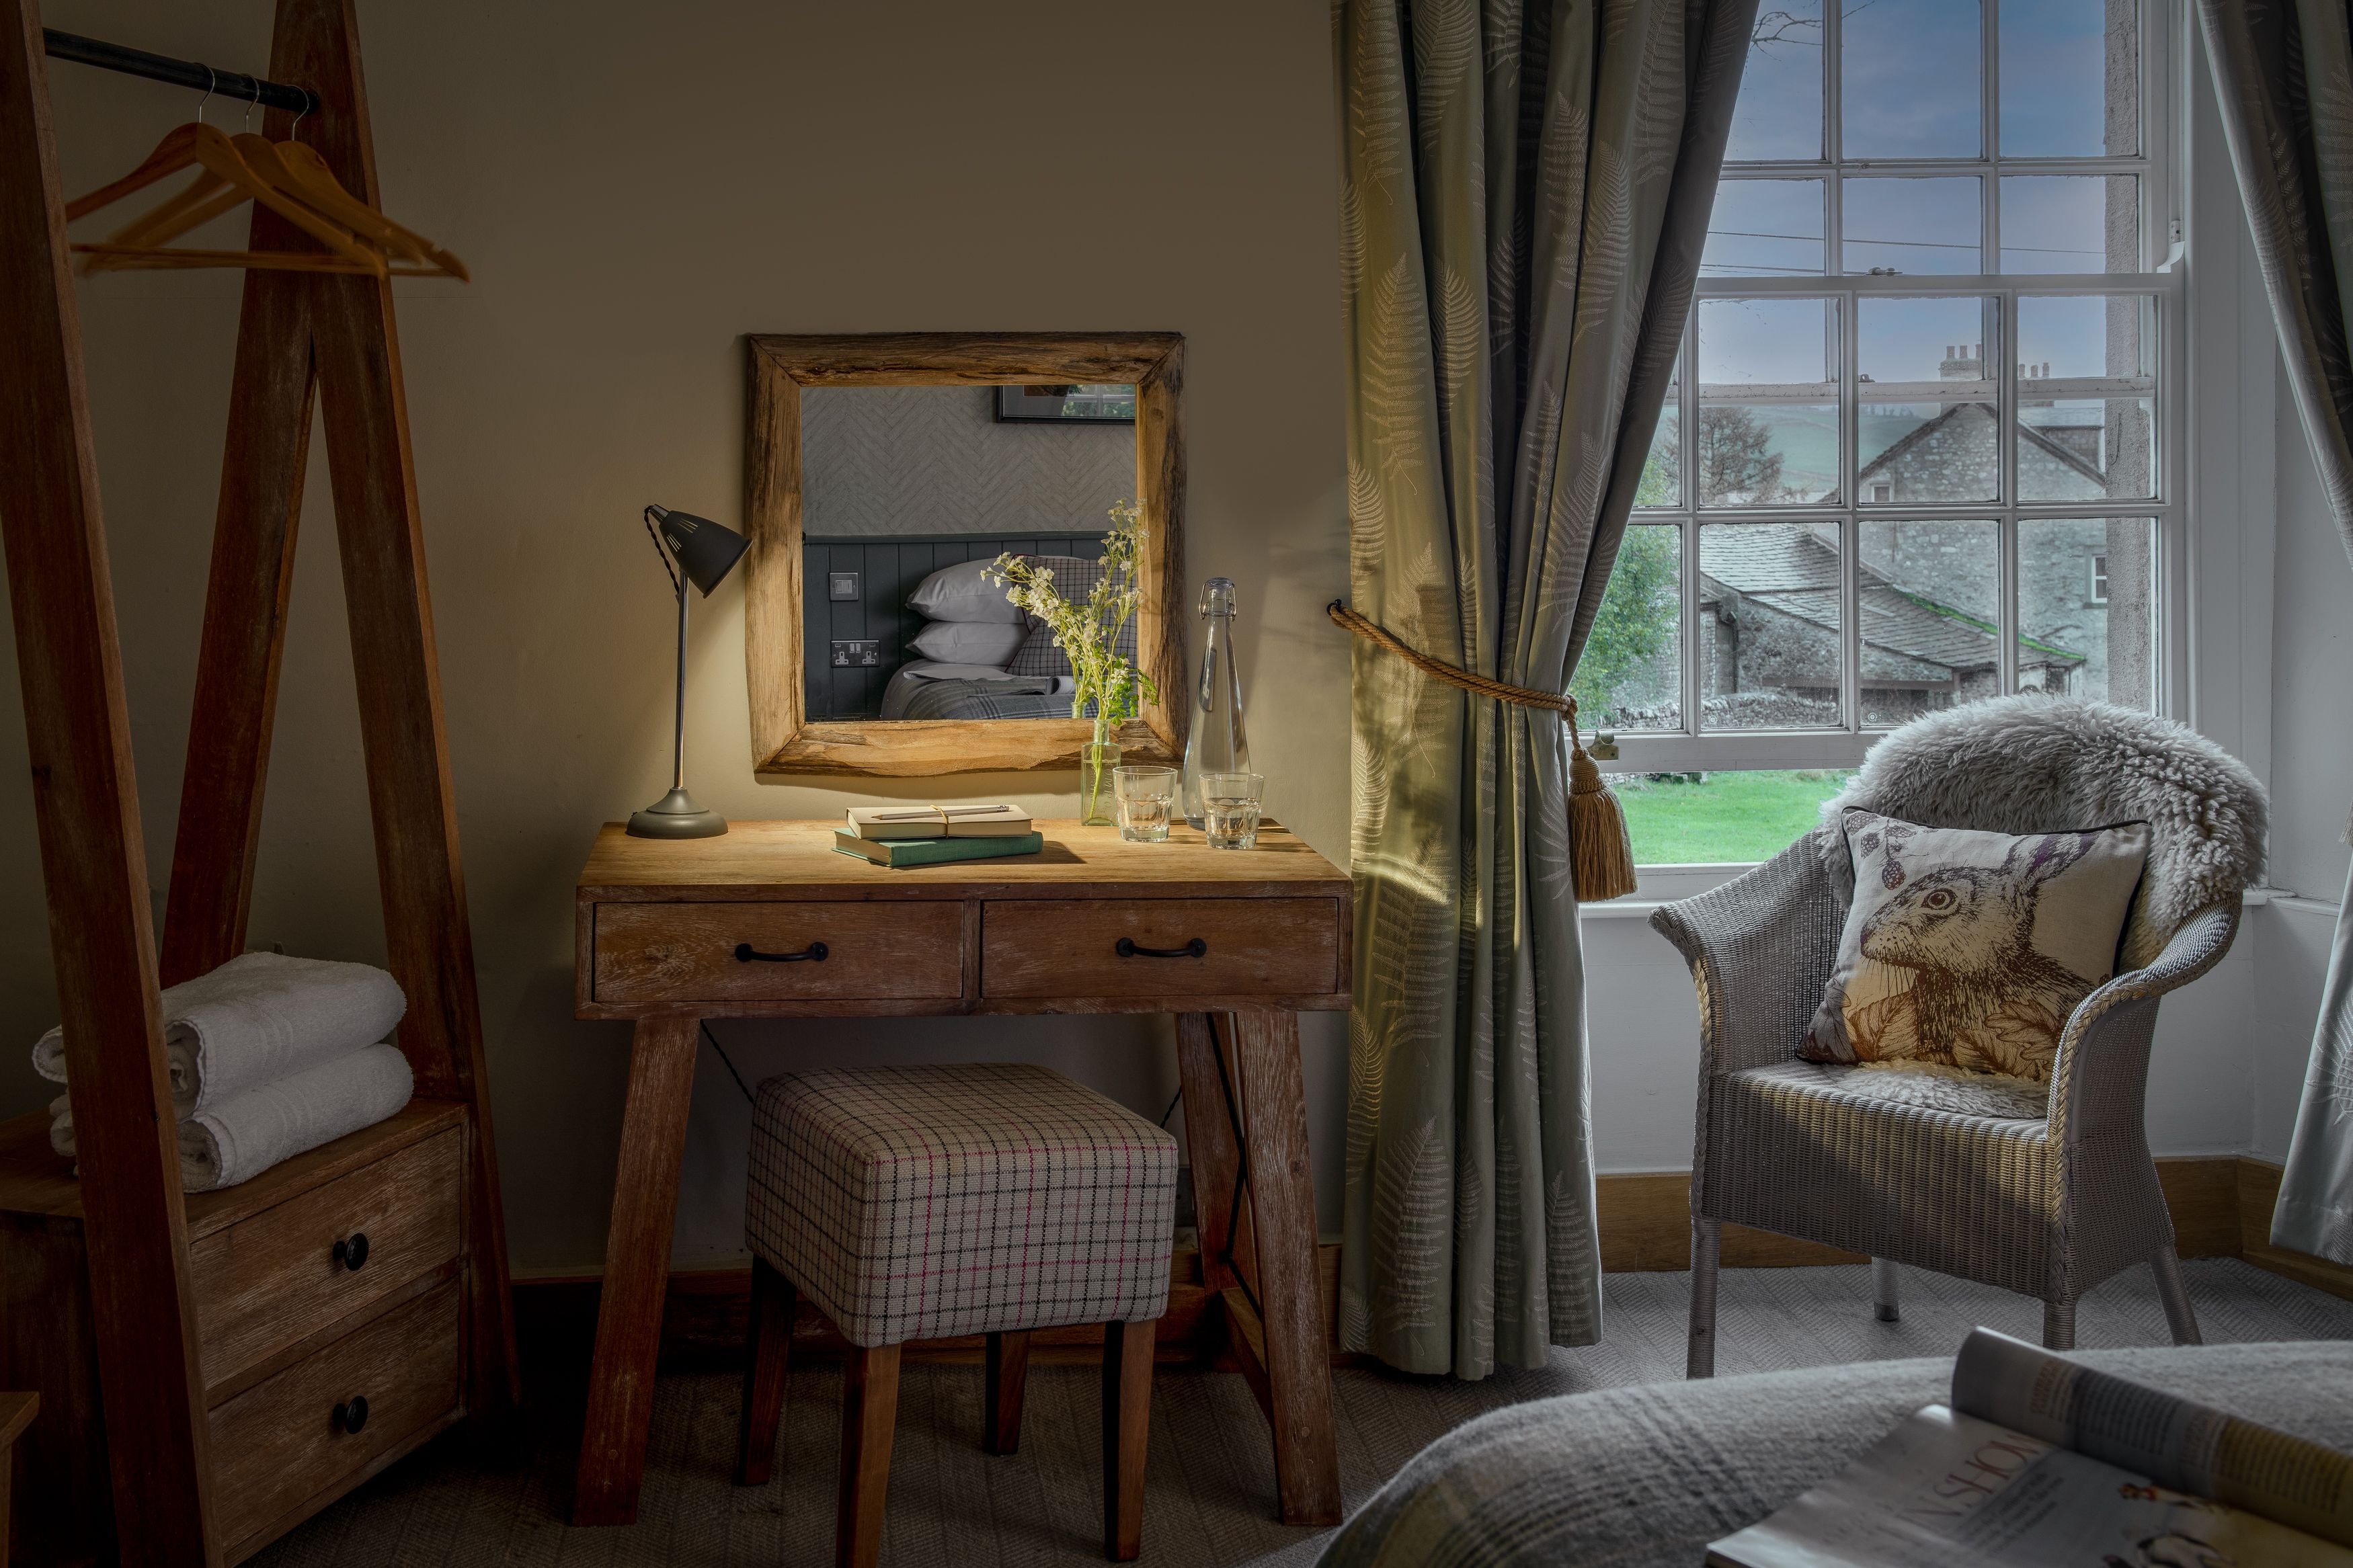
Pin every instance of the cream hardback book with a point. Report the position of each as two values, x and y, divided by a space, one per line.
996 821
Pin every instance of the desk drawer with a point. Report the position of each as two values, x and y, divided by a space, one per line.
281 1443
687 951
266 1282
1249 947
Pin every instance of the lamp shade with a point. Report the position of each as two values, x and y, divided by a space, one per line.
705 551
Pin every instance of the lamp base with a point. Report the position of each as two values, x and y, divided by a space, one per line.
677 814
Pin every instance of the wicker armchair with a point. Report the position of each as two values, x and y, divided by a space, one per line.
1986 1184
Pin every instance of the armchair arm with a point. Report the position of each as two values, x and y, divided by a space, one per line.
1761 949
2100 1075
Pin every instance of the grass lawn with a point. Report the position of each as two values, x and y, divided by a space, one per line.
1728 816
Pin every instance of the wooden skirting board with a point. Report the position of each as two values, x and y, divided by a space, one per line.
2222 1208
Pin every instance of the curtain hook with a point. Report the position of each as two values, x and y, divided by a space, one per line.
211 80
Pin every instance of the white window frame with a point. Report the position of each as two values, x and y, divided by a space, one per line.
2161 200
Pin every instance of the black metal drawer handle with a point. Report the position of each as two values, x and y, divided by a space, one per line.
352 1254
746 953
1127 948
351 1415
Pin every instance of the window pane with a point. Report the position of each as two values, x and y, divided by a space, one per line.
1779 111
2070 79
1663 477
1911 225
1631 674
2087 608
1925 417
1908 79
2070 222
1767 411
1771 227
1931 597
2086 402
1698 820
1769 625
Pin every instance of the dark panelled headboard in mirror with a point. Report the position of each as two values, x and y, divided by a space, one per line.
854 594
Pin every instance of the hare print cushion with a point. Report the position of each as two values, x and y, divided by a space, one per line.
1971 950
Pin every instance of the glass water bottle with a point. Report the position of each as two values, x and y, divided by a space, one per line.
1214 743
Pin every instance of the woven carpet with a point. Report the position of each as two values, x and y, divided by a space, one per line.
1209 1496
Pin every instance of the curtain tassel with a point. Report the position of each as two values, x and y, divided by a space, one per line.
1601 855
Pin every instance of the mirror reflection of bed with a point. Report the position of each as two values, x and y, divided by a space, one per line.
908 493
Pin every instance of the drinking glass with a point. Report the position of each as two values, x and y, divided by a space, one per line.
1147 797
1229 806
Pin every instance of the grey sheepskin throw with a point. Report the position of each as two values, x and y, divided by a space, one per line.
2033 763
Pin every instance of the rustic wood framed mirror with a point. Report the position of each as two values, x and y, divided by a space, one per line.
883 471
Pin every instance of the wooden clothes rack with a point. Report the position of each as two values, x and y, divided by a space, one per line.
302 336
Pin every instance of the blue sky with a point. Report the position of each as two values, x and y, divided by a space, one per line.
1911 87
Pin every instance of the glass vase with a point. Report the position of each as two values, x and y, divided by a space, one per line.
1097 760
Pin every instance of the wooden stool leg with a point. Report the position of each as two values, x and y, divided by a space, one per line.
1126 1423
769 1356
870 1406
1008 1374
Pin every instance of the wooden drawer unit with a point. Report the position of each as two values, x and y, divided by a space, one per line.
1159 947
711 951
281 1321
303 1431
264 1283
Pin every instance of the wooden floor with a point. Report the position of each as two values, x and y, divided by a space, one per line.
1209 1497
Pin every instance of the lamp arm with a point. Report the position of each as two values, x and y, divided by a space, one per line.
678 586
677 738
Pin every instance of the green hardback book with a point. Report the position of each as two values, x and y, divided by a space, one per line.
933 851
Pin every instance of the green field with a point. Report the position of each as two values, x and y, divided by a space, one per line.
1728 816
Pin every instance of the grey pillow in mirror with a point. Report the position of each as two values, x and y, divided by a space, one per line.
963 592
991 643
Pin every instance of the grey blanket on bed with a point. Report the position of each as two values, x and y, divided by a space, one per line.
1646 1476
986 699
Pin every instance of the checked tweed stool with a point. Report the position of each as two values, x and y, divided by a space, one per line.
921 1202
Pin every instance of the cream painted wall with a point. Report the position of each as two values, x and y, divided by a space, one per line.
633 187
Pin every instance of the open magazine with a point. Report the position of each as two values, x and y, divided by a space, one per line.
2042 1460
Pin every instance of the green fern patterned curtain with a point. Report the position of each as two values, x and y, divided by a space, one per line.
1526 190
2283 77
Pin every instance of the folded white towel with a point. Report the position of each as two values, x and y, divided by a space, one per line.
259 1017
237 1142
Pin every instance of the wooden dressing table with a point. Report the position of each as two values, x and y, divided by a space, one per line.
770 922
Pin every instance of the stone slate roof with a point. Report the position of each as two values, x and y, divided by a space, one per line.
1787 567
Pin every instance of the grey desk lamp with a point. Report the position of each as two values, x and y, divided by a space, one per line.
698 551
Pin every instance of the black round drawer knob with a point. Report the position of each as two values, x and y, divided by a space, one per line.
351 1415
353 1251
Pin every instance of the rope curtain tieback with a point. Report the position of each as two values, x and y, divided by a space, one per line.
1601 857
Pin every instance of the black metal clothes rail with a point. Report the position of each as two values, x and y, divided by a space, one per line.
234 85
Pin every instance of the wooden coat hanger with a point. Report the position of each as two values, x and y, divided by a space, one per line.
301 170
225 180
